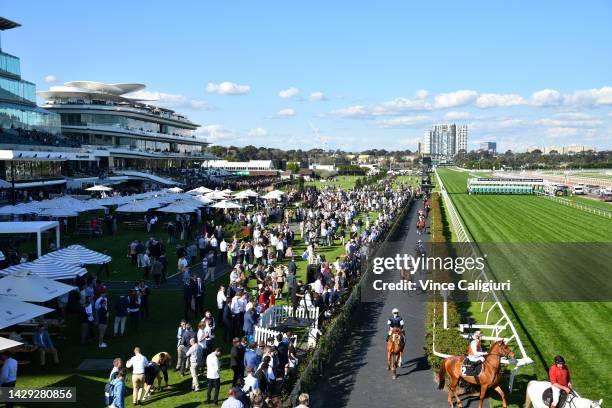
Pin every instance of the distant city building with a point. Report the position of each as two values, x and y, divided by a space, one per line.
571 149
444 141
490 147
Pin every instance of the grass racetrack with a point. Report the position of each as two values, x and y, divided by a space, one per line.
580 331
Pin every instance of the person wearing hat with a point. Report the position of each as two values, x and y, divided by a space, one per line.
559 377
474 351
396 321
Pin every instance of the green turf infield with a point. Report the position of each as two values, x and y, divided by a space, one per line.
578 330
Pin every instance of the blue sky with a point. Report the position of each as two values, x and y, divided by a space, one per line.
355 75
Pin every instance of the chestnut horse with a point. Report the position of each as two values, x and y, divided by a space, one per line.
488 378
420 225
395 351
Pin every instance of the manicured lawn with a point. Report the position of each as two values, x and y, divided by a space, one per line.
343 182
154 335
579 331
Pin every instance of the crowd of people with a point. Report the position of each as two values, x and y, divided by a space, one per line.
261 257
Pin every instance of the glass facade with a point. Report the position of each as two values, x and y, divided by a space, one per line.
29 170
14 116
10 64
18 90
123 122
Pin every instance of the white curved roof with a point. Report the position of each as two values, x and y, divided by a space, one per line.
113 89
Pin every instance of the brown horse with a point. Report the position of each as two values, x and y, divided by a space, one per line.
420 225
488 378
395 350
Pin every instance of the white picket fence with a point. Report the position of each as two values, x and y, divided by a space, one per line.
263 335
583 207
277 314
503 328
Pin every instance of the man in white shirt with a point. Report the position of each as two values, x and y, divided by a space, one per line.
138 364
223 250
221 298
250 381
213 366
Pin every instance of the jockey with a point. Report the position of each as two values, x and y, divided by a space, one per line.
395 321
559 377
474 351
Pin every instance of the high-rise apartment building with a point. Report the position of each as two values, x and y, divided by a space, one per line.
445 141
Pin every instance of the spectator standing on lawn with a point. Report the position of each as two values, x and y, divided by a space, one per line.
213 367
121 312
138 363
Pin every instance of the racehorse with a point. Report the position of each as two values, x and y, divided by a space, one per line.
395 351
535 389
420 225
488 378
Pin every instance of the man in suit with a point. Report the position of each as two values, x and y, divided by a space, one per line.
197 291
237 361
249 324
44 345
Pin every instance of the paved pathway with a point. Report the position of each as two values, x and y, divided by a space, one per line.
359 377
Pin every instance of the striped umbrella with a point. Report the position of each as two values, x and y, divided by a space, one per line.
77 255
47 268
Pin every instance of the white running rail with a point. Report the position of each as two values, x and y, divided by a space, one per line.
583 207
503 328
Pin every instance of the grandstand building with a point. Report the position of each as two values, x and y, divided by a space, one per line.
86 130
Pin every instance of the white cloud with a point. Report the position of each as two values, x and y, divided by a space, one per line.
228 88
289 93
422 94
591 97
214 133
402 121
258 132
286 113
455 115
356 111
172 101
317 96
491 100
561 132
546 97
453 99
50 78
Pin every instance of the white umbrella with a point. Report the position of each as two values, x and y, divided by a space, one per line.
28 286
199 190
227 191
58 212
8 343
108 201
226 204
77 255
16 311
203 200
216 195
275 194
99 188
177 209
137 207
15 210
5 184
175 190
47 268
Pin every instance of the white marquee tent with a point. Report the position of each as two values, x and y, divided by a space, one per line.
32 227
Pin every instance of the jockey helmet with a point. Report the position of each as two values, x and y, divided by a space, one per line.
559 360
395 311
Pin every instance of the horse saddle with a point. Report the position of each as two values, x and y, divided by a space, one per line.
547 398
471 368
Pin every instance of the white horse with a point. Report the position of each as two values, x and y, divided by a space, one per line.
535 389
